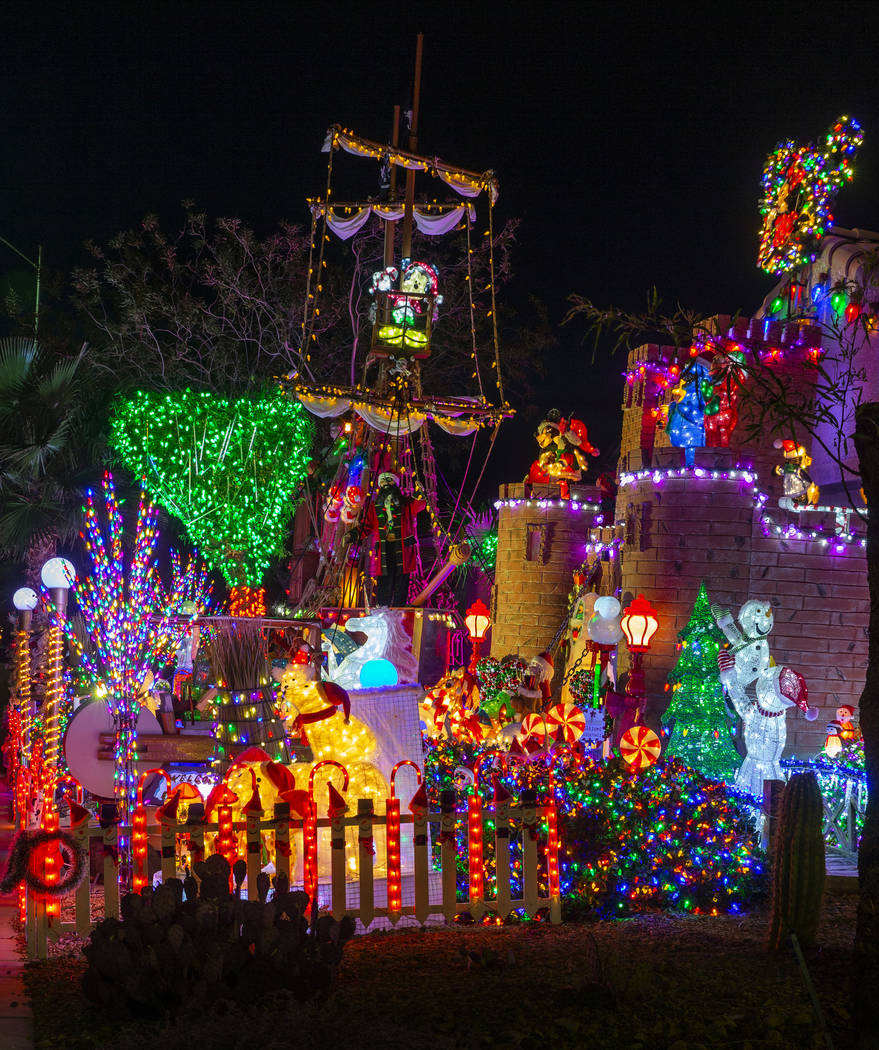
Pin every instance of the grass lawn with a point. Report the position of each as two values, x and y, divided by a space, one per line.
659 982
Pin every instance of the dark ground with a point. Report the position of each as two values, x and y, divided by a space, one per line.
660 982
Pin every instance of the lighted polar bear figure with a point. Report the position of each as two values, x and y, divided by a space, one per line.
764 718
386 640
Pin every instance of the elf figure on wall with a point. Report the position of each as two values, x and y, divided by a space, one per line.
390 522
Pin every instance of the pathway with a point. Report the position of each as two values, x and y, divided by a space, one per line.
16 1021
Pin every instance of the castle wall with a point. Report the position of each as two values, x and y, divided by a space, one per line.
731 533
683 530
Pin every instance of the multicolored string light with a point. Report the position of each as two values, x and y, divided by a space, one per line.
665 839
799 184
130 622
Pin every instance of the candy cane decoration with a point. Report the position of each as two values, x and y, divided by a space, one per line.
475 846
392 828
70 780
140 876
309 829
404 762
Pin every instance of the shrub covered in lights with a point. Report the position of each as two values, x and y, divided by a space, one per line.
667 839
228 468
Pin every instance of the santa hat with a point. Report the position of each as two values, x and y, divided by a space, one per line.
576 433
792 685
846 707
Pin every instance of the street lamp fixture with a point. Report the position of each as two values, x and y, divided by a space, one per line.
477 620
639 624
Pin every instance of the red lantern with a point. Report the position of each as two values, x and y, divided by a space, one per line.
639 624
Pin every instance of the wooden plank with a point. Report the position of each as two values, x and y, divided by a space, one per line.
337 867
281 827
83 896
41 930
169 850
422 883
528 805
502 856
366 858
448 855
159 748
253 847
110 846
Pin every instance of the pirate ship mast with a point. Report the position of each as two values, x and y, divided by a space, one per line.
386 415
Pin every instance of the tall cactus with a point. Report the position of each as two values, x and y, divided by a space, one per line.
798 871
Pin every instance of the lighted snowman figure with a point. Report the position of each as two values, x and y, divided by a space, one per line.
604 624
749 645
764 718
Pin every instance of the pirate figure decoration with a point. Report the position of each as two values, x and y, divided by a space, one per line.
564 445
389 521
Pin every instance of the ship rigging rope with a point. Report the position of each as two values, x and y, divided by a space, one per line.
497 356
318 281
308 282
473 310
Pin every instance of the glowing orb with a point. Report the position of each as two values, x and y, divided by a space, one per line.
378 672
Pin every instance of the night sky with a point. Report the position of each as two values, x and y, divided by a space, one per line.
630 142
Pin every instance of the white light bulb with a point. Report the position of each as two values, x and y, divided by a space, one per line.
24 599
58 572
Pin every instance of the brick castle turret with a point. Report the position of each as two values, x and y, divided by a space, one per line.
541 540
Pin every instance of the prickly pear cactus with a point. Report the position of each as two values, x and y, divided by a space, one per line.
190 942
798 871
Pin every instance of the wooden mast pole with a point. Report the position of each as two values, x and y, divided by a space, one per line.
390 227
413 148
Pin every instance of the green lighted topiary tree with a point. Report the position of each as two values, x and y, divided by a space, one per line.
228 468
701 734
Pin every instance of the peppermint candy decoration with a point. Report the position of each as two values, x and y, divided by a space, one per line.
640 747
533 730
566 723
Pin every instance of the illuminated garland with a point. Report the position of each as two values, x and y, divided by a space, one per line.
658 476
665 839
229 469
839 543
548 504
799 183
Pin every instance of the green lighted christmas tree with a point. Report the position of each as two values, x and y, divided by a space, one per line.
701 734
